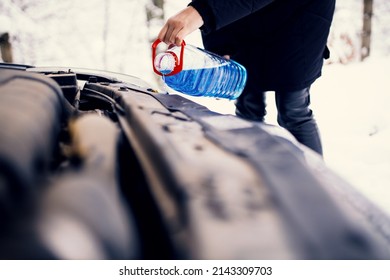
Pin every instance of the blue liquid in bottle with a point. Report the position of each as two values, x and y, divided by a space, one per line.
222 81
203 74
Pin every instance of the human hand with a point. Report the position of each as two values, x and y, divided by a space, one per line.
180 25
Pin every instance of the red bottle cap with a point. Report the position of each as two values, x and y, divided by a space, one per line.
178 63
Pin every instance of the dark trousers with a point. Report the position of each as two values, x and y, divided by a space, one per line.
294 114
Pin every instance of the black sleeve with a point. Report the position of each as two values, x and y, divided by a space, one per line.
219 13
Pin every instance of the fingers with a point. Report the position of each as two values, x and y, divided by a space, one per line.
162 34
171 31
180 36
180 25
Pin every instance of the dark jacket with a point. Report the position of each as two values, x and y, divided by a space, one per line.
282 43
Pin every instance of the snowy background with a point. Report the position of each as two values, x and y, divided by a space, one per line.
351 101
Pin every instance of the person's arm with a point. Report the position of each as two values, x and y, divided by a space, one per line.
220 13
209 15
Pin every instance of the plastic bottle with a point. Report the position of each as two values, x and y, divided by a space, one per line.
197 72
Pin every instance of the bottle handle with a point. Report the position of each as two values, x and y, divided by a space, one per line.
178 63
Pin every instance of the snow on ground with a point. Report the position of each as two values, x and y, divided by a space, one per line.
351 104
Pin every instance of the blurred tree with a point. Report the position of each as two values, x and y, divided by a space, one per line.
366 32
5 47
105 32
154 17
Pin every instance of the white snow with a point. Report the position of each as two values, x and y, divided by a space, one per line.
351 103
